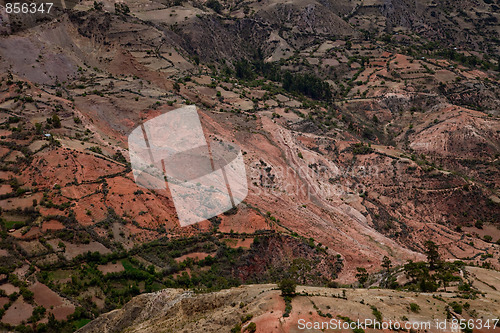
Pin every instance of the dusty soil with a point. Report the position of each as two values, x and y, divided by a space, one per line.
176 309
111 268
194 255
18 312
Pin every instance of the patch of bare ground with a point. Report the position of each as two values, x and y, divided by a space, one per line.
18 312
111 268
52 225
193 255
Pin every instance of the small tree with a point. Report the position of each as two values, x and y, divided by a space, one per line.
386 263
215 5
432 254
122 8
287 286
252 327
98 6
362 275
56 121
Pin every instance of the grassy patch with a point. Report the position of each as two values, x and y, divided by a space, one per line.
129 267
81 322
60 274
13 224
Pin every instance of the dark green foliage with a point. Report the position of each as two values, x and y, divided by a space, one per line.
307 84
288 306
236 328
361 149
96 149
27 294
457 307
98 6
422 280
118 288
362 275
14 119
243 70
376 313
55 121
386 263
119 157
215 5
38 128
472 60
252 327
122 8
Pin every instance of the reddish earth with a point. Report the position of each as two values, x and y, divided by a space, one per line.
3 301
18 312
45 296
111 268
33 233
62 312
4 189
298 166
52 225
4 175
24 202
247 220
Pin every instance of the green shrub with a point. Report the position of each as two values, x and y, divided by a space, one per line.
287 286
414 307
457 307
376 313
252 327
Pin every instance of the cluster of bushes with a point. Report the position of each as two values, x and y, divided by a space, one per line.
306 84
443 273
471 61
361 149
